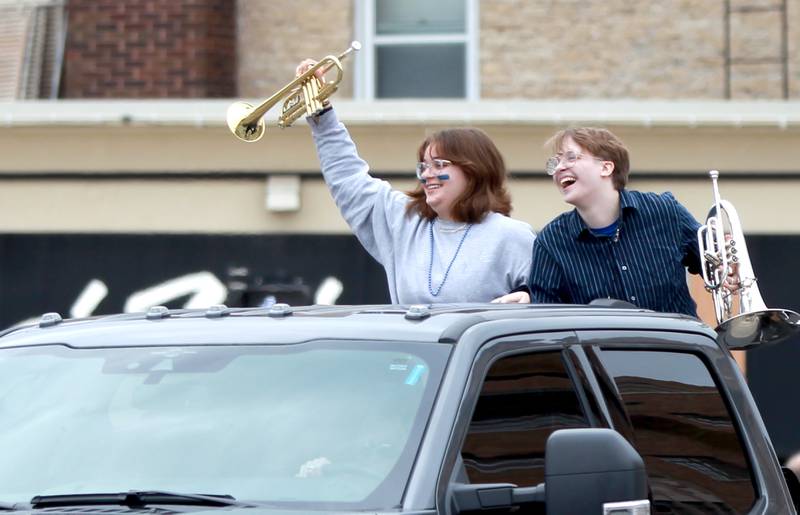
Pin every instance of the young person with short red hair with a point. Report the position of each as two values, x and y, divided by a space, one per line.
616 243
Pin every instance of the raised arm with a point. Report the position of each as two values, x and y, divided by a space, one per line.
371 208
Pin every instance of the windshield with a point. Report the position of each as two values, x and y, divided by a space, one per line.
323 424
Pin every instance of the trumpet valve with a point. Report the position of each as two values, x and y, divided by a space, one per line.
713 259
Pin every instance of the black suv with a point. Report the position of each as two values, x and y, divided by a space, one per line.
421 409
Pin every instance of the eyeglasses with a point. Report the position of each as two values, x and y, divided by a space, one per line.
437 164
569 158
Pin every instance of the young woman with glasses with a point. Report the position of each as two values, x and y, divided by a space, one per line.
448 240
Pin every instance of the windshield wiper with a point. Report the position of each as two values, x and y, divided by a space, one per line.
135 499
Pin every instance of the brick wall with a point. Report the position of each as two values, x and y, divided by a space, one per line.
150 49
602 49
275 35
794 48
532 49
757 35
556 49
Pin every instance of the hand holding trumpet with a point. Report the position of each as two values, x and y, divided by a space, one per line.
732 282
307 64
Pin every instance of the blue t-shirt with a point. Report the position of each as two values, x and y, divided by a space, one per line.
607 231
644 264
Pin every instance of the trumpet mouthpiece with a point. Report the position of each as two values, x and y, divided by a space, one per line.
355 46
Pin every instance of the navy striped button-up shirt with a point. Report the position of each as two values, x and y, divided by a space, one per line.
644 263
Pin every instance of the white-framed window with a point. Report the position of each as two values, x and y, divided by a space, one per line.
417 49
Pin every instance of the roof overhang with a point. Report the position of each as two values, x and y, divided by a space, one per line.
211 113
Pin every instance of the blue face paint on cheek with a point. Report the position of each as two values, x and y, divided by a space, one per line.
443 177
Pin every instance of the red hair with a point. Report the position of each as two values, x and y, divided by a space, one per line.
484 168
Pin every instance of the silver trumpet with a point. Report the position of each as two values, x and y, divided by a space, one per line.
742 317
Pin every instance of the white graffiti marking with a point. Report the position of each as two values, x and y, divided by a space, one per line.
204 287
329 291
88 300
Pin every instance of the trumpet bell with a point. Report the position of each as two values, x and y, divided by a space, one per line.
237 112
759 327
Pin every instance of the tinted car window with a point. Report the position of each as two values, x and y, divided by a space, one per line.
524 399
311 425
683 430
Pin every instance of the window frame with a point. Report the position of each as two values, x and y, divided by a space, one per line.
580 400
365 66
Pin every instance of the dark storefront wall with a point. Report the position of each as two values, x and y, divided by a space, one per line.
41 273
774 372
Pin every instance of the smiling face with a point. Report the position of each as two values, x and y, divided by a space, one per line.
583 180
440 195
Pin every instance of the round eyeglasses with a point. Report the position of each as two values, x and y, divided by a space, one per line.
569 158
436 164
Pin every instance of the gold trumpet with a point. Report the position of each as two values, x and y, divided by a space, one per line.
303 96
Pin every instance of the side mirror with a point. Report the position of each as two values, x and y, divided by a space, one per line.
587 471
594 471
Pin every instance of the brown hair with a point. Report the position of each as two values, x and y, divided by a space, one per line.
474 152
600 143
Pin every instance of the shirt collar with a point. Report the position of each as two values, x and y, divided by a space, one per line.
627 201
577 227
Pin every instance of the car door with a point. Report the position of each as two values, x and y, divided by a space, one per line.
666 392
521 389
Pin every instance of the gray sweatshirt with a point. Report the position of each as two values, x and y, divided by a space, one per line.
494 256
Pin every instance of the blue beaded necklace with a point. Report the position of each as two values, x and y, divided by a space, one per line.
446 272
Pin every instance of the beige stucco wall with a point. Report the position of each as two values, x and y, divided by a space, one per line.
238 205
386 148
117 167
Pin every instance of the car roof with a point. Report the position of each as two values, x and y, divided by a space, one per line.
439 323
